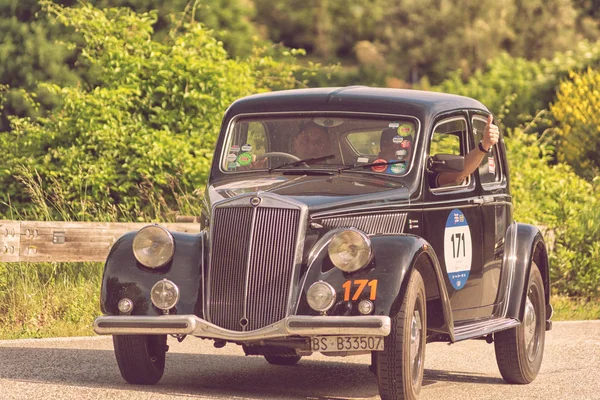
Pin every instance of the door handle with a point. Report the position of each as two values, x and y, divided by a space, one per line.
483 200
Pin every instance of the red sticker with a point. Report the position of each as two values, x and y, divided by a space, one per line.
405 144
379 168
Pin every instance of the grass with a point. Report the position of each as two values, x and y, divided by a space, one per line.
570 309
62 299
48 299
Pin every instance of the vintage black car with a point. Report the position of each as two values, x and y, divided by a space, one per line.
325 231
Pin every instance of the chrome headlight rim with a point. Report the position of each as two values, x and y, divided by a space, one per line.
349 267
152 262
174 293
327 306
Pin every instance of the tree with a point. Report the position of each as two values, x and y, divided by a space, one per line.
576 112
147 126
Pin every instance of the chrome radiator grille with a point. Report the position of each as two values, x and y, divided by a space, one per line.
252 264
371 224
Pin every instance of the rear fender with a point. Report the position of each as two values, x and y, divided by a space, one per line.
124 276
525 244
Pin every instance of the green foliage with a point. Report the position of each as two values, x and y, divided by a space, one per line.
516 88
567 206
576 112
150 122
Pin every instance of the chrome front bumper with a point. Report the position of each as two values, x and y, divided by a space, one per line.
291 326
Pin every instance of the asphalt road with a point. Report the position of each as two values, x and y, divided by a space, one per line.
85 368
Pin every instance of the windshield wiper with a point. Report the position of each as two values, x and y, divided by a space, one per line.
374 164
310 160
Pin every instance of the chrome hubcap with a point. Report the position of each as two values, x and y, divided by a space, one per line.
415 343
529 325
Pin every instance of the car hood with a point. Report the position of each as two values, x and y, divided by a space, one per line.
317 192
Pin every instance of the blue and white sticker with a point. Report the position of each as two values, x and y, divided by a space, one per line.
458 249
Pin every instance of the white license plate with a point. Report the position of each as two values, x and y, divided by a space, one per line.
326 344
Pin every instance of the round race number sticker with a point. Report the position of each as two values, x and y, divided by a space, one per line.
458 249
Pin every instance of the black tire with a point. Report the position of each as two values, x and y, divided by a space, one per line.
519 351
400 373
141 358
282 360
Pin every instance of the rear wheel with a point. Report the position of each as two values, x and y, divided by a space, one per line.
519 350
399 367
141 358
283 360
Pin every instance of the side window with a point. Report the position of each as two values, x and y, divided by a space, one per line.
449 137
489 169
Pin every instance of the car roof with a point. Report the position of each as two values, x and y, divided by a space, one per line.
418 103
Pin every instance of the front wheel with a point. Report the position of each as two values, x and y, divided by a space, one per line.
141 358
519 350
399 367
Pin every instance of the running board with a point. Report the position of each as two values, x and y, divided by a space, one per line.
482 328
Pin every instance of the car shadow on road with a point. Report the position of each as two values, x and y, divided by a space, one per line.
217 376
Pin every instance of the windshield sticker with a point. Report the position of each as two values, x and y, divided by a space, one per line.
244 159
401 154
406 129
399 168
246 148
397 139
405 144
232 166
363 160
379 168
458 249
394 124
235 148
231 157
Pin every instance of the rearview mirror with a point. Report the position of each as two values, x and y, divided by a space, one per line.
446 163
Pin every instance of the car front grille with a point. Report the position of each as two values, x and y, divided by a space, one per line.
372 224
252 262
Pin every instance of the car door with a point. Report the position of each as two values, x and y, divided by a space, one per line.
452 220
496 214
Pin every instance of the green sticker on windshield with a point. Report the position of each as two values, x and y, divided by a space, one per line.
244 159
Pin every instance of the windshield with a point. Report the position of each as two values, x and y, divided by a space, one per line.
323 142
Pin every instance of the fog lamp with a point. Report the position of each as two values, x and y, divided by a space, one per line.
320 296
350 250
164 294
125 306
365 307
153 246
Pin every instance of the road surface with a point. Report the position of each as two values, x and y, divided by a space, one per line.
85 368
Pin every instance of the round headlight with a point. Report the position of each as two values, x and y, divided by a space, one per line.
320 296
350 250
153 246
164 294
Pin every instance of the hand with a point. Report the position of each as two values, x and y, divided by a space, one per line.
490 134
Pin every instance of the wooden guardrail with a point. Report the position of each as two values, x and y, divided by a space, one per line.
37 241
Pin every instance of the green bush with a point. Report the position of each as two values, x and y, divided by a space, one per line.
567 205
576 113
516 88
150 123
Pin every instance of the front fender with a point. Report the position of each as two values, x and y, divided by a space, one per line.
124 276
525 244
394 258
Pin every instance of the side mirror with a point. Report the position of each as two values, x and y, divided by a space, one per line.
446 163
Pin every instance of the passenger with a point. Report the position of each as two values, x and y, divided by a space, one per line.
472 159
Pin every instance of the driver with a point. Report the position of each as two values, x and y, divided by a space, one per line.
311 140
